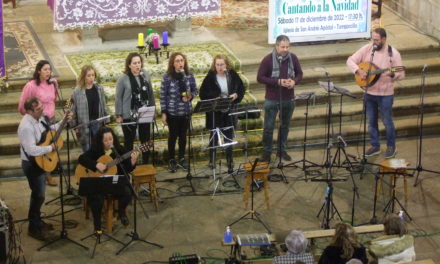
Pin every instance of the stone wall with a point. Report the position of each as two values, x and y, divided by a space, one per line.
424 14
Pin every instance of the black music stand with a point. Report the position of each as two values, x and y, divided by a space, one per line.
252 212
107 185
304 96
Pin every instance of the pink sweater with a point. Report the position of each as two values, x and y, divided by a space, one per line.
45 92
385 84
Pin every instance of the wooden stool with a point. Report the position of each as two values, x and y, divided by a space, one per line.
146 174
394 168
110 209
260 173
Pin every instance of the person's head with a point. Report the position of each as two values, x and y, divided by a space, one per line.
379 37
105 138
86 77
43 72
177 63
220 63
354 261
393 225
134 63
282 45
33 107
345 237
296 242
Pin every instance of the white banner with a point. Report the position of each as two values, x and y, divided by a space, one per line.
316 20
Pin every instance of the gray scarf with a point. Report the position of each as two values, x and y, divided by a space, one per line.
276 65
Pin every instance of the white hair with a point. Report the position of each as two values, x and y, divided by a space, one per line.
296 242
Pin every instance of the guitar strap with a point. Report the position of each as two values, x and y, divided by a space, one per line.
390 53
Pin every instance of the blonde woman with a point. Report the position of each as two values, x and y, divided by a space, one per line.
344 247
89 105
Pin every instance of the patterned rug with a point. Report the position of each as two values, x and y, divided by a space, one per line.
23 50
243 14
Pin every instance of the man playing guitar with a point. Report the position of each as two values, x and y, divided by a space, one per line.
32 126
379 96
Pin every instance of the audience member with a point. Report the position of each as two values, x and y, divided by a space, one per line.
296 244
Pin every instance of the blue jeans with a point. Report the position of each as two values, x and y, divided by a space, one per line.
270 114
36 179
384 105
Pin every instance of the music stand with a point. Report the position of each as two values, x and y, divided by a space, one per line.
304 96
252 212
106 185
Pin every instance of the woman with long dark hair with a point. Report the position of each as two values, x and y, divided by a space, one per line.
104 143
222 81
43 87
344 246
133 91
89 105
176 93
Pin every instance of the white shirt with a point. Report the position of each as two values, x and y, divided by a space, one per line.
223 82
29 131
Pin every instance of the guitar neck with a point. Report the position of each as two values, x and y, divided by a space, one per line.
119 159
60 129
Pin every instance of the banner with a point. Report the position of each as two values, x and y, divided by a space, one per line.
316 20
2 47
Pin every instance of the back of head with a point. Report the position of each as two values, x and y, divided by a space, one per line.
354 261
296 242
345 237
393 225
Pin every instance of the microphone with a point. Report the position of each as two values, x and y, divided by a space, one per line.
375 47
425 67
280 58
183 72
51 81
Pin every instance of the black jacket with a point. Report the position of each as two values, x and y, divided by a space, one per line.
210 89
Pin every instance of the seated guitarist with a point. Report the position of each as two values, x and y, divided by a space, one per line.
30 131
105 143
379 97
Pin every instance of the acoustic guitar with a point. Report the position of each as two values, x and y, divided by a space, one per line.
373 73
111 163
48 162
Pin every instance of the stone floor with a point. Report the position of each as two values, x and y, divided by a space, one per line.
193 223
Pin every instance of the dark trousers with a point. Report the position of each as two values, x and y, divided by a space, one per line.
178 127
130 134
36 179
96 202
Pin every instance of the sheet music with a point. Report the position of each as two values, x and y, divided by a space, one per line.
146 114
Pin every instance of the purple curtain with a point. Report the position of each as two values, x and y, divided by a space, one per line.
2 50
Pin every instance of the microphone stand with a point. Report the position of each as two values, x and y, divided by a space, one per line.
134 234
280 165
419 168
63 232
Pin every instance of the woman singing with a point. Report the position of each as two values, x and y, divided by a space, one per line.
43 87
222 81
176 92
133 91
105 143
89 105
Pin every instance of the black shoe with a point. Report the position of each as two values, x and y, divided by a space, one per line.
182 164
39 234
124 220
46 226
285 156
265 157
172 165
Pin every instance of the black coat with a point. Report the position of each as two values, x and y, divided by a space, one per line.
210 89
